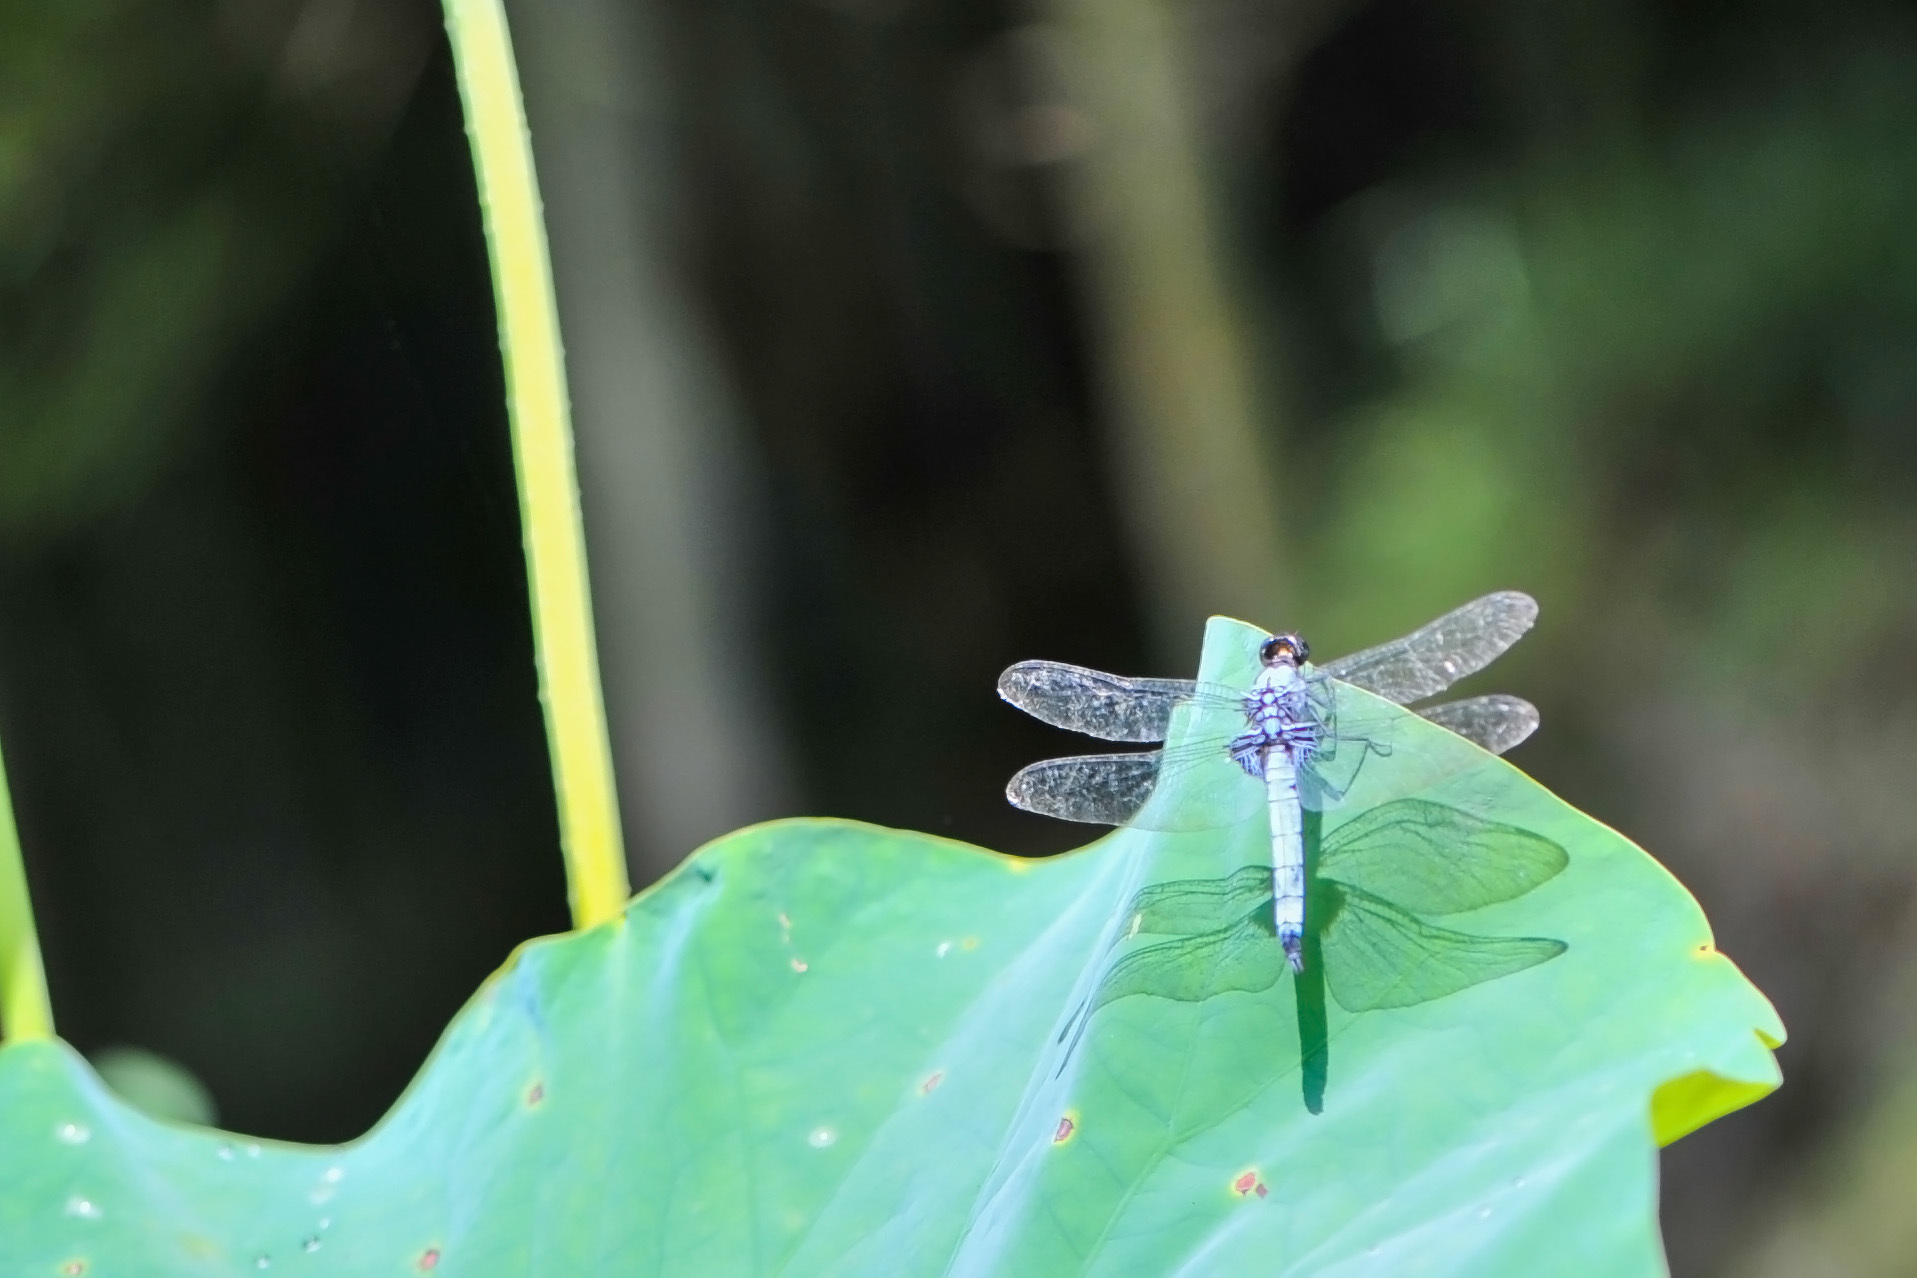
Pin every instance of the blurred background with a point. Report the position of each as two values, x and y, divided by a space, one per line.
909 338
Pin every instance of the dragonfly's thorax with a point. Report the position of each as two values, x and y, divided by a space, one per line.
1278 713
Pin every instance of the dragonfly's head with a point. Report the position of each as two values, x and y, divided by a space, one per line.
1285 650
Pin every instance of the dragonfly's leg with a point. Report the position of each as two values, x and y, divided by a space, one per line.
1301 740
1248 752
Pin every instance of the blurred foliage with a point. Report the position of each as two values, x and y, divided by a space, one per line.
1615 303
165 173
274 717
1666 376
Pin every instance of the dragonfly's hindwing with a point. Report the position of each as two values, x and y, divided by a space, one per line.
1496 723
1103 789
1117 789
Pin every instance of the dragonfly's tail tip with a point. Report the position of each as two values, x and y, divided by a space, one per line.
1294 950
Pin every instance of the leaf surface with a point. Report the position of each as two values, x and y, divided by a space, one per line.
826 1048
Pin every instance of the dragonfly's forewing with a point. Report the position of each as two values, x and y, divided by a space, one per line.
1107 706
1435 656
1496 722
1437 859
1377 956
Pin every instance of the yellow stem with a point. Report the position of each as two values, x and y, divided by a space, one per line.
25 1011
542 450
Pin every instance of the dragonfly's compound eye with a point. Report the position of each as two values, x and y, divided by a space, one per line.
1285 649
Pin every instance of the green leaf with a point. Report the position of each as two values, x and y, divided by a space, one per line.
1243 955
1378 956
825 1048
1424 856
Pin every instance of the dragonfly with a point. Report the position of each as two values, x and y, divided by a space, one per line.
1296 741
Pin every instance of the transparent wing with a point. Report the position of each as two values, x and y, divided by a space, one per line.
1117 789
1194 782
1377 956
1354 731
1190 785
1432 658
1436 859
1102 789
1107 706
1495 722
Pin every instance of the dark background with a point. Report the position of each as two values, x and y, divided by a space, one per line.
909 338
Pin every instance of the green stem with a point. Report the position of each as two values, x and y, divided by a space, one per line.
25 1012
542 452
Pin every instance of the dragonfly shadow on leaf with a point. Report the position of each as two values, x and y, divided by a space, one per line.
1374 882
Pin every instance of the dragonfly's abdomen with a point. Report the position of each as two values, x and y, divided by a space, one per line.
1282 737
1287 861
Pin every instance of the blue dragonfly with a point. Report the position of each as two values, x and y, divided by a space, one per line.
1296 741
1361 909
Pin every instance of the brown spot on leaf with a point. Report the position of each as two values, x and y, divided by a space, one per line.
932 1081
429 1259
535 1093
1065 1129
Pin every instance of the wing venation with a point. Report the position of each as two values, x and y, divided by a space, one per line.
1107 706
1438 654
1497 722
1102 789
